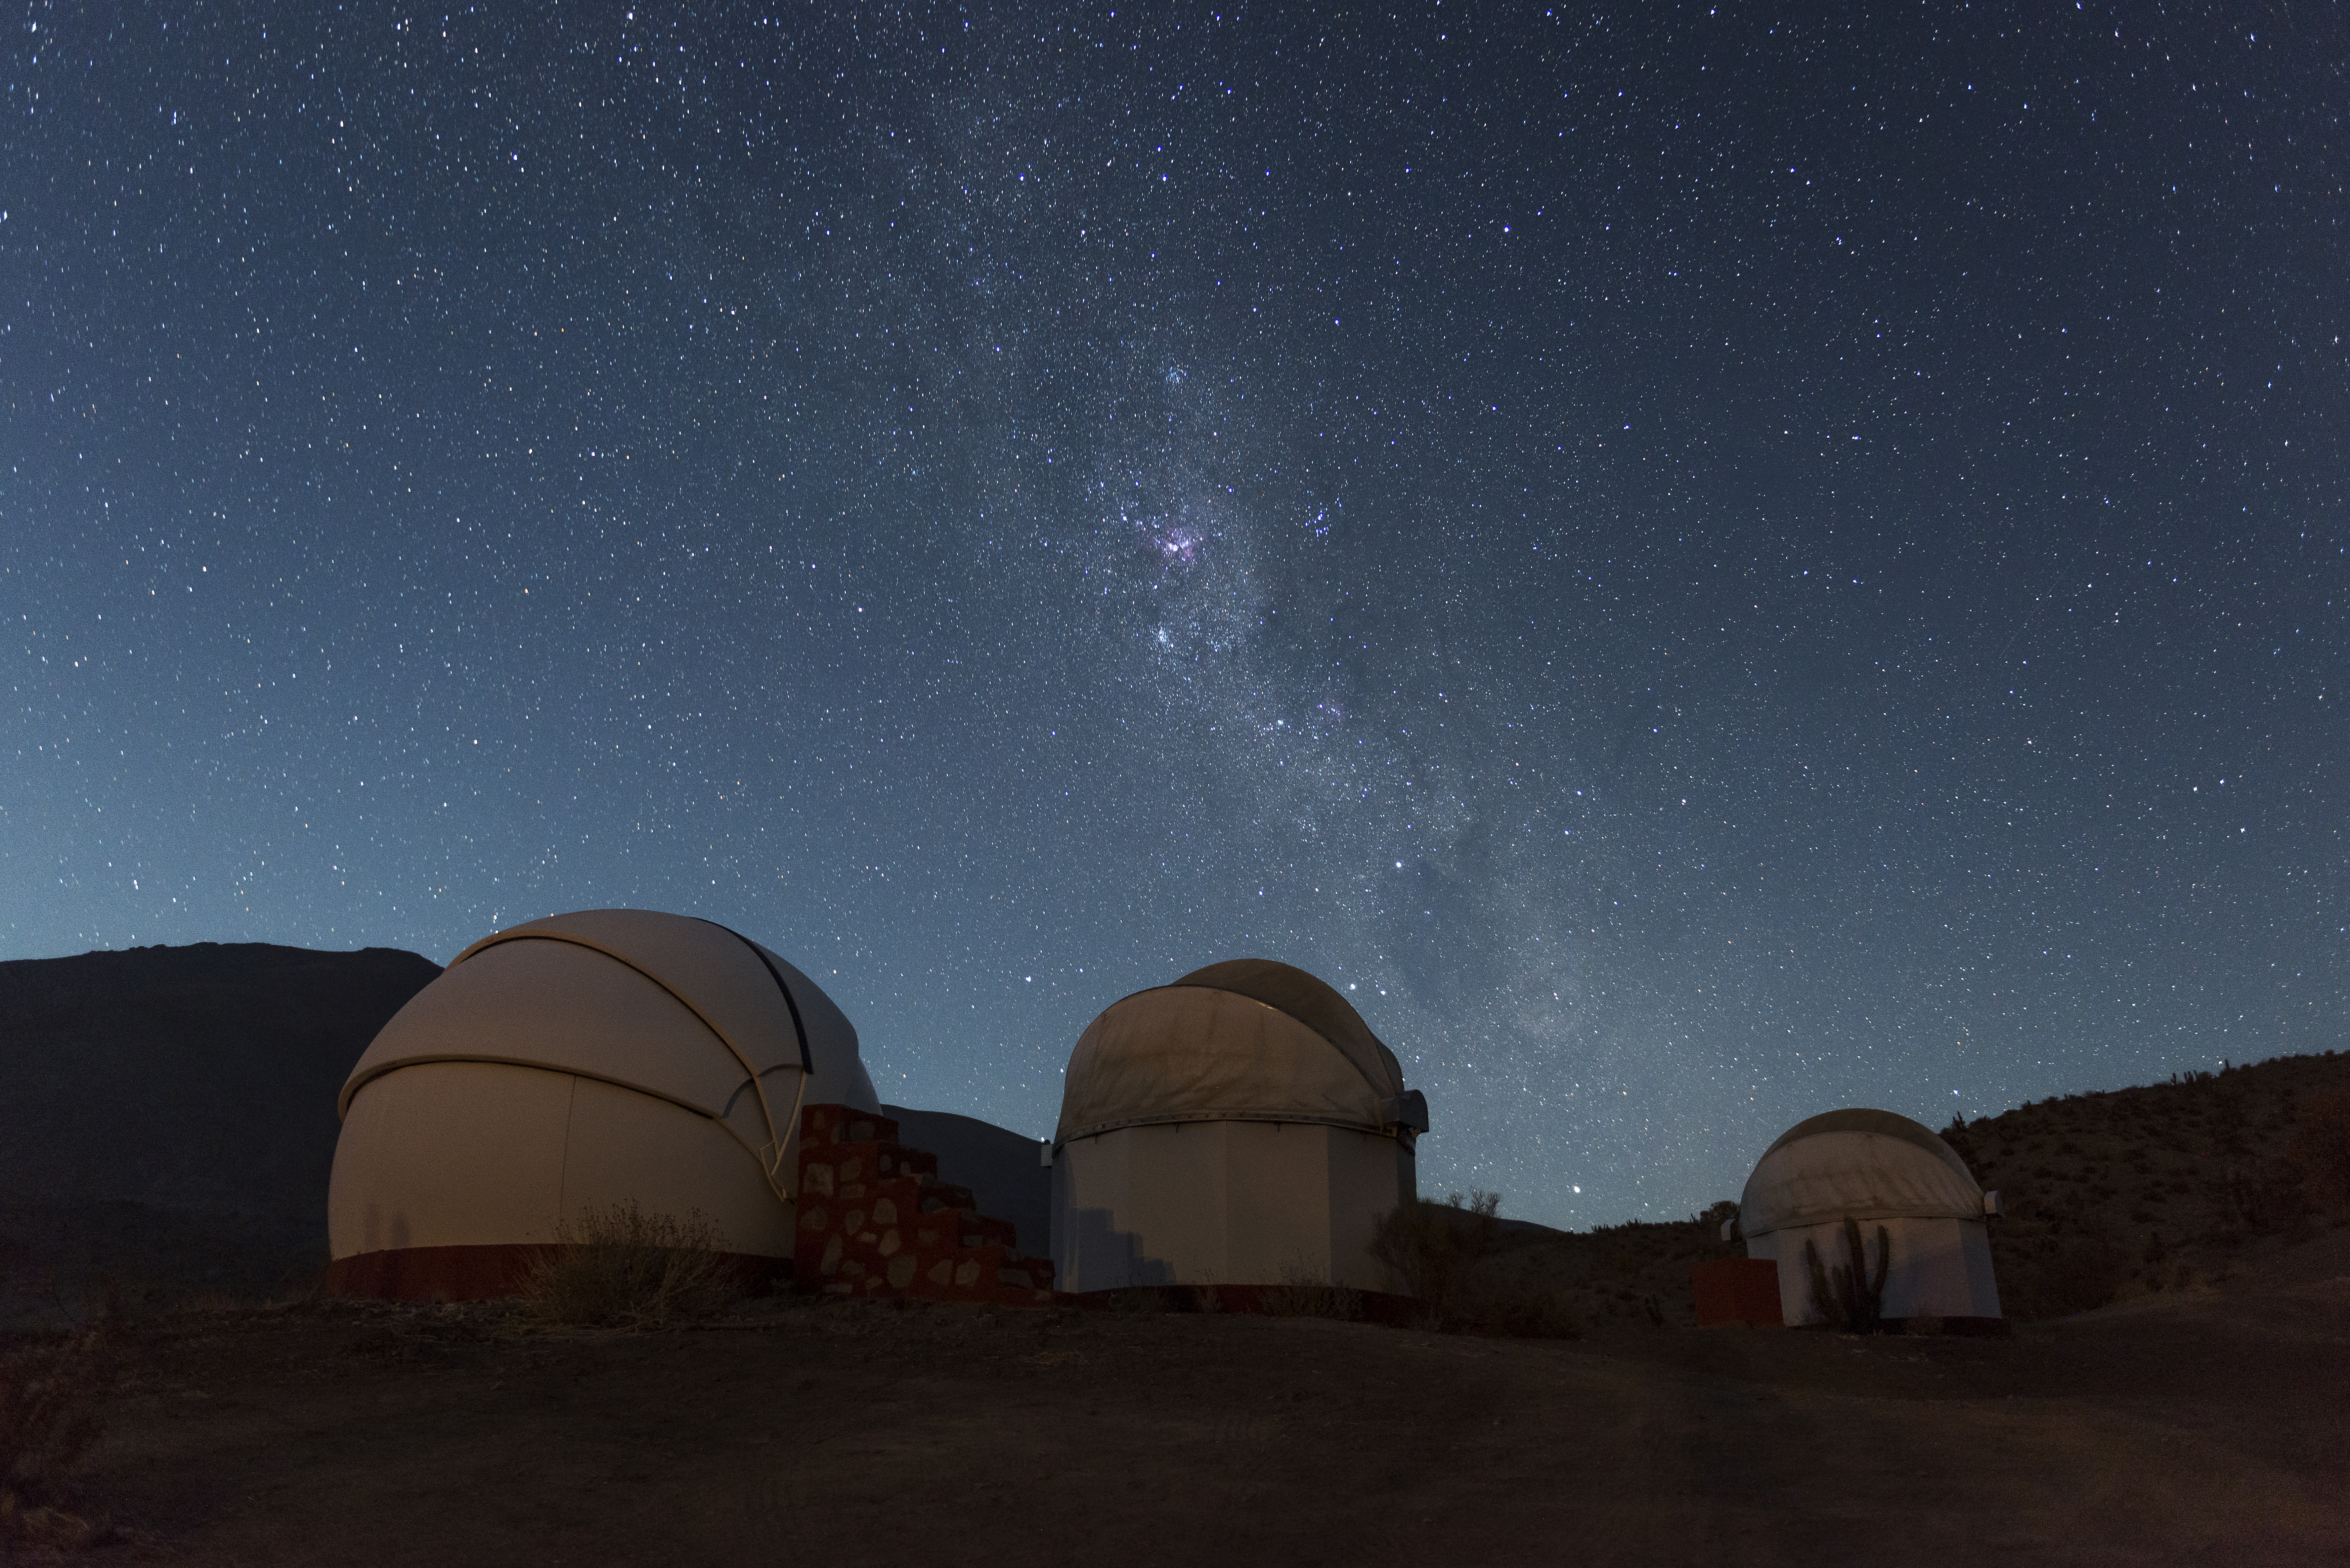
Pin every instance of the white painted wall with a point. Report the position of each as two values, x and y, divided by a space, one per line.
1940 1266
1223 1202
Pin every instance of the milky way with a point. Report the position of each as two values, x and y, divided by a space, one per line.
1702 565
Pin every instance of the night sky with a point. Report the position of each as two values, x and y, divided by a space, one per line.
1702 566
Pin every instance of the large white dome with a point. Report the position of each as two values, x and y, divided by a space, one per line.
579 1062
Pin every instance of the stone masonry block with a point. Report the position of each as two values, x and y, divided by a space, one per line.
875 1220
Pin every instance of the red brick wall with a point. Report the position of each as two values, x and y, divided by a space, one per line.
874 1219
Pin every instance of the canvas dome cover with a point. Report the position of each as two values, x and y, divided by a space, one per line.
1867 1164
682 1008
1249 1040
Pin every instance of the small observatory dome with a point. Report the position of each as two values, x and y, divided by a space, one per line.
572 1065
1881 1169
1243 1126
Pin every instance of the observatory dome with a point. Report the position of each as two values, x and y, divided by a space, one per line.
1916 1210
1242 1127
1249 1040
570 1066
1859 1162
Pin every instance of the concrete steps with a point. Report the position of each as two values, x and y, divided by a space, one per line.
875 1220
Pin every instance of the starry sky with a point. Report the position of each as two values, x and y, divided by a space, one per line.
1703 564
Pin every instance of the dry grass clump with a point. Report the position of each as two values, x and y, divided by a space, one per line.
1150 1300
621 1267
1632 1275
1301 1294
1519 1311
51 1412
2083 1274
1434 1249
2319 1149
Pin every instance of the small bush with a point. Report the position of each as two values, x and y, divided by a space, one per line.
1434 1250
1145 1299
2083 1276
1432 1247
2267 1196
50 1399
2319 1150
1525 1313
1300 1295
620 1266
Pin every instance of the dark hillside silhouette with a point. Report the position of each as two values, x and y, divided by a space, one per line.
2164 1186
167 1113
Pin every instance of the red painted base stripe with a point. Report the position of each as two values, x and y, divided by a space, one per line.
480 1273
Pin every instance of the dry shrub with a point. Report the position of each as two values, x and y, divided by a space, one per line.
1521 1311
1149 1299
623 1267
2087 1275
2267 1195
1432 1247
1301 1295
1340 1303
50 1400
2319 1149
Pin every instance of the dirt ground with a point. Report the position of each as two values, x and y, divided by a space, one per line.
2207 1427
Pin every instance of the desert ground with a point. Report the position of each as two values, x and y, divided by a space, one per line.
2175 1258
2205 1426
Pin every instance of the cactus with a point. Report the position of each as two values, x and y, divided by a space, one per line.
1846 1295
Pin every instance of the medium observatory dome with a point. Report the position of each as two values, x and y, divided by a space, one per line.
569 1065
1242 1127
1868 1164
1916 1209
1248 1040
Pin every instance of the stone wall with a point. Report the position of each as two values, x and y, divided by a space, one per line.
874 1219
